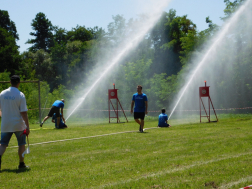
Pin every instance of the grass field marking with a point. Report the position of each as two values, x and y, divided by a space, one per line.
48 142
41 129
160 173
228 185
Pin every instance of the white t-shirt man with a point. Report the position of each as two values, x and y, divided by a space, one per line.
12 102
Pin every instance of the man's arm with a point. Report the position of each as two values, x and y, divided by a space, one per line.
166 119
62 115
0 107
132 105
146 107
25 118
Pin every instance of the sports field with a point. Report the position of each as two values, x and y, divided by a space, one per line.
189 155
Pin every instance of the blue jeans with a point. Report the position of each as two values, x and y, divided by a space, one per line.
5 138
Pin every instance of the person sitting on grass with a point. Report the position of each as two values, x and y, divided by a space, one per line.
163 119
62 125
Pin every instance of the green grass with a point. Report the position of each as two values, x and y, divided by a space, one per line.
190 155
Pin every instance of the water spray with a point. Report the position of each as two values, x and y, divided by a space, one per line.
44 108
131 44
217 41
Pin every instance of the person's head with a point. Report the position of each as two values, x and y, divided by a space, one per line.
163 110
139 88
15 80
63 100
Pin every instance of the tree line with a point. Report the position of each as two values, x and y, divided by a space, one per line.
60 58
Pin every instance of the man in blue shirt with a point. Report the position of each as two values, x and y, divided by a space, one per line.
141 106
162 119
57 105
62 125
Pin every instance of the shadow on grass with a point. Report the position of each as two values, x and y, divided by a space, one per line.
15 170
143 132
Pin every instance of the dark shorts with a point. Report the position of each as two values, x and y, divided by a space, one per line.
5 138
139 115
53 110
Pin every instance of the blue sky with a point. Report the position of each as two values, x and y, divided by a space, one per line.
90 13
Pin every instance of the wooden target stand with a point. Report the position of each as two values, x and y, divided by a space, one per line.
112 94
204 92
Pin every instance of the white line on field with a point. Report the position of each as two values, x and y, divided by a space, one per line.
229 185
84 137
160 173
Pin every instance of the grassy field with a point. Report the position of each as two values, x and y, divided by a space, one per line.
189 155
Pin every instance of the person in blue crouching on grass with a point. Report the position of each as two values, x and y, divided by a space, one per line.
163 119
62 125
57 105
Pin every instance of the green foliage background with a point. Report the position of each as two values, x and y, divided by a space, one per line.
66 61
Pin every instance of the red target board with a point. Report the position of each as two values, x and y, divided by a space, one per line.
112 93
204 91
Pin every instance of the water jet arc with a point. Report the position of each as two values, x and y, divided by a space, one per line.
153 17
217 41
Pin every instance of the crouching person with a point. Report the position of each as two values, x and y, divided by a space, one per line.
62 125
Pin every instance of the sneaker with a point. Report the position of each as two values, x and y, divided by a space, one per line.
41 124
140 128
23 166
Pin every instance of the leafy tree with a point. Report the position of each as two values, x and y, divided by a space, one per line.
7 24
195 41
78 60
60 36
40 63
162 88
43 33
188 44
212 27
59 65
231 7
4 76
136 74
80 33
117 30
26 66
204 35
166 37
98 33
9 54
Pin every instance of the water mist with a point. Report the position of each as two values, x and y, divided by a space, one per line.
154 10
218 64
